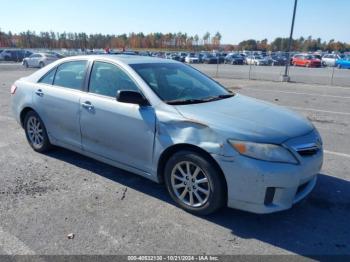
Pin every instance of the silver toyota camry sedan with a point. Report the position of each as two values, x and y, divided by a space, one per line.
172 124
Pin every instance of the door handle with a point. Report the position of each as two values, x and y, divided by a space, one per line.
87 105
39 92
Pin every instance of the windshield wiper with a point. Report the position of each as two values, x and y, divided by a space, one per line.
185 101
196 101
219 97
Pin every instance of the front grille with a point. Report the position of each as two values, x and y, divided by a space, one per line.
308 151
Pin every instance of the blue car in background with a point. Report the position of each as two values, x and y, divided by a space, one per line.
343 63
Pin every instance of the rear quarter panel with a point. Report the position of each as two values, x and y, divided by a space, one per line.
22 98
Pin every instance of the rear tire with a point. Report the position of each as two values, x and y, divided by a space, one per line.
194 183
36 132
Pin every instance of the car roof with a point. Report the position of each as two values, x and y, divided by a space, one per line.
125 59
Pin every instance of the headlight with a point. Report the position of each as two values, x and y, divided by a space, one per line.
267 152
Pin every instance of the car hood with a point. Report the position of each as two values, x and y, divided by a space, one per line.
245 118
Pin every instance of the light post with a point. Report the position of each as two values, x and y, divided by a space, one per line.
285 77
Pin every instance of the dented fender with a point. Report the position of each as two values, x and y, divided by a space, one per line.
173 128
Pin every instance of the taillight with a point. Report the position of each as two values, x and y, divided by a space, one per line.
13 89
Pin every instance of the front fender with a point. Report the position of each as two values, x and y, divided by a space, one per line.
173 129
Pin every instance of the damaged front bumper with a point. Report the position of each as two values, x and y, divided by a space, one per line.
264 187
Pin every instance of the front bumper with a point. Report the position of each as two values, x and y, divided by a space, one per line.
265 187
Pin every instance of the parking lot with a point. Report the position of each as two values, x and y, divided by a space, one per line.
45 197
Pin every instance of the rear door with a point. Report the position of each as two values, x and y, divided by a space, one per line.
118 131
57 99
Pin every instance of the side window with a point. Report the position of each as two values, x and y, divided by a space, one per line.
48 78
107 79
71 75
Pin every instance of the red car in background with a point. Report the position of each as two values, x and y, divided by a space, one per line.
306 60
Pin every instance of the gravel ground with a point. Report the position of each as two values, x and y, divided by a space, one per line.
45 197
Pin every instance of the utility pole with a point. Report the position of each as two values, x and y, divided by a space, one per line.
285 77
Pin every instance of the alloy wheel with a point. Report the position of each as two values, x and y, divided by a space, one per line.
35 132
190 184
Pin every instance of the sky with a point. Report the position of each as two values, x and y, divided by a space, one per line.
236 20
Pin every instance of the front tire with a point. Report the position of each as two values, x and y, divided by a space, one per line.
36 132
194 183
41 64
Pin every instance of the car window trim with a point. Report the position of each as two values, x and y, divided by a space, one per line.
118 66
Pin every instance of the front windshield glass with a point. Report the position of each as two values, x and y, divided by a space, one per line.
180 84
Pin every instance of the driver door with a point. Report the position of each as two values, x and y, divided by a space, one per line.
117 131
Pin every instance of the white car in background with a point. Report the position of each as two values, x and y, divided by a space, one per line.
256 60
330 59
39 60
191 58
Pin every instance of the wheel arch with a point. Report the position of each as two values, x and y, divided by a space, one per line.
23 114
167 153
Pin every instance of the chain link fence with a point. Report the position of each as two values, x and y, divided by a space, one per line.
300 73
255 66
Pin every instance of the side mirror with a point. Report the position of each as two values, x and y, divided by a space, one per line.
131 97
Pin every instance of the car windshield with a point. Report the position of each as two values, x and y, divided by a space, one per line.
180 84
